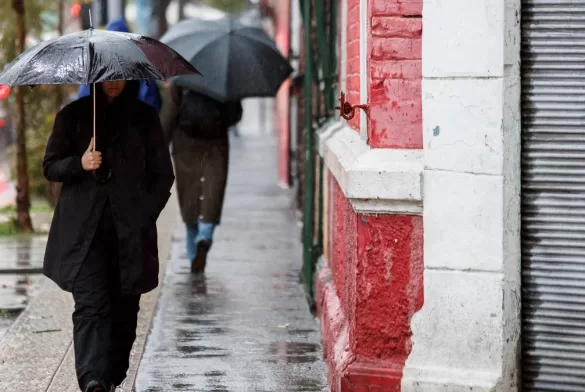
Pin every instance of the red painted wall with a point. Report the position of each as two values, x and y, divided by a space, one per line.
395 63
345 245
373 284
389 277
369 296
353 58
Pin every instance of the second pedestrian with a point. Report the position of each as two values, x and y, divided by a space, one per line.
197 126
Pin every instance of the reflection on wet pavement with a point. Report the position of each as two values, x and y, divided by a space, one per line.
24 253
21 260
246 326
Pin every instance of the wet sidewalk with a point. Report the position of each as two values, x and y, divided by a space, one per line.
246 327
21 261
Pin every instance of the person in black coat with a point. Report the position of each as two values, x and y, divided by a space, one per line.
102 244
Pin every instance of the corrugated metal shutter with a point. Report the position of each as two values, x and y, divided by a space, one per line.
553 195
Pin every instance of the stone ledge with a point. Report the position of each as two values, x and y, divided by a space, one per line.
375 180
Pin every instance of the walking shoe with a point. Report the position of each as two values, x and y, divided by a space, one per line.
200 261
97 386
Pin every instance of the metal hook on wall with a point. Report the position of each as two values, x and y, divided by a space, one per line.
347 110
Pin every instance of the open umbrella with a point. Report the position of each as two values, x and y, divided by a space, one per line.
236 60
94 56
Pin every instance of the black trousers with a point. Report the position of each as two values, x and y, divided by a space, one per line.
104 322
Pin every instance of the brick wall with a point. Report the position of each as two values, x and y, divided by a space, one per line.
395 64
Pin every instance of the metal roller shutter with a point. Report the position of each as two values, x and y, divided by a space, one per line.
553 195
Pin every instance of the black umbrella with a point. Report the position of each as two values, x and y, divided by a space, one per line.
94 56
236 60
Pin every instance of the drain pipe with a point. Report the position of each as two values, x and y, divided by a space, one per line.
309 180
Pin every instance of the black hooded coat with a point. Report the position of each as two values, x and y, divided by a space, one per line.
136 178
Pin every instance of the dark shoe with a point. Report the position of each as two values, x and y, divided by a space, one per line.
200 261
97 386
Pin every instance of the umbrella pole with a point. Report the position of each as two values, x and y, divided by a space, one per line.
94 140
93 86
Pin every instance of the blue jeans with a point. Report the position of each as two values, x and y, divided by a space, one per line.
203 231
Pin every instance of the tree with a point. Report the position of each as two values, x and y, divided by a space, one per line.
17 17
23 221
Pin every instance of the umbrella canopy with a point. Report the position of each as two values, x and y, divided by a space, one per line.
236 60
94 56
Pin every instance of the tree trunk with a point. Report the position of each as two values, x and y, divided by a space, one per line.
23 221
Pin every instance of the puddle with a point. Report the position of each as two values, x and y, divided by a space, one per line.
16 290
22 253
17 286
18 257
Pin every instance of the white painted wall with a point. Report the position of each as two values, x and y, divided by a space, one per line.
466 336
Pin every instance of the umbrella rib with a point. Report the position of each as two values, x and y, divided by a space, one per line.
121 68
117 61
60 60
32 57
89 58
195 36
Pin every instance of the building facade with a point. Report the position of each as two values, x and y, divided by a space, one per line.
280 14
447 211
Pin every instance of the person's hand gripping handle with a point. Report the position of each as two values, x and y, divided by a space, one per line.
91 160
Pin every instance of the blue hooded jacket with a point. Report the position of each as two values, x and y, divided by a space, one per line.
148 92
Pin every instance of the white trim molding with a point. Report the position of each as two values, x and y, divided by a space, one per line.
375 180
364 73
343 48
